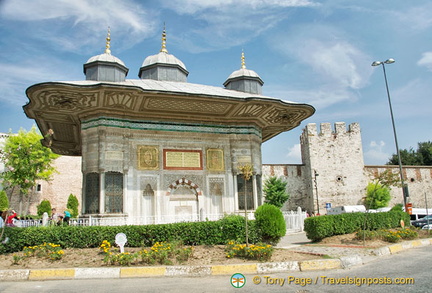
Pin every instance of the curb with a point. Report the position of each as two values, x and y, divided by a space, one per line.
200 271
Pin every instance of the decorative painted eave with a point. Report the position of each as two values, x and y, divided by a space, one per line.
63 106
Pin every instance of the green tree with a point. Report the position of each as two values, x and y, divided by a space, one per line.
4 201
378 191
26 160
72 205
377 195
425 152
44 206
275 191
420 157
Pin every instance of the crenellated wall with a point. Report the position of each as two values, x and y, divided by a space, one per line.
334 154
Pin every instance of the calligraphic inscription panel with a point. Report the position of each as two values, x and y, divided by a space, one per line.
182 159
148 158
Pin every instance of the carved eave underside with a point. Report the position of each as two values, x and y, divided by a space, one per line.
62 107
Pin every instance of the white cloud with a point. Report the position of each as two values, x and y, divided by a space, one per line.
426 60
244 6
375 153
88 19
294 154
15 78
329 53
228 23
339 68
416 18
320 97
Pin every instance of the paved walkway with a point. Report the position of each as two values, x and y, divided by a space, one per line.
297 241
293 239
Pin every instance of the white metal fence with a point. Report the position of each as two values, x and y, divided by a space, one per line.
293 219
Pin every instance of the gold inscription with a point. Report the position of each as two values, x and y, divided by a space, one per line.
175 159
148 158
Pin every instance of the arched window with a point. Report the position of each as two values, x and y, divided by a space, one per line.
113 192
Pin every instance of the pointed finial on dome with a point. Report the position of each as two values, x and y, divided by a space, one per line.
164 49
108 42
243 63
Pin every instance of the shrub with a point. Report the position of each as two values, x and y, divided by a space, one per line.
44 206
270 222
275 191
72 205
4 201
196 233
320 227
397 207
377 195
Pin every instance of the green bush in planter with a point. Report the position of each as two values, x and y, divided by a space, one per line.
270 222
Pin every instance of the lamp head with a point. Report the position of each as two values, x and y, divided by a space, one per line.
389 61
376 63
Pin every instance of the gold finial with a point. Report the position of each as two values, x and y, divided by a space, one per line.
243 63
108 41
164 49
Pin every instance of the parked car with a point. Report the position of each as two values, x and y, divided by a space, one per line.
423 221
427 227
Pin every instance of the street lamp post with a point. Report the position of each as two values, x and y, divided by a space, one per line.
404 191
316 191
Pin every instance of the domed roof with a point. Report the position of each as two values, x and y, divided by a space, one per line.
244 80
105 57
163 66
105 67
243 72
163 58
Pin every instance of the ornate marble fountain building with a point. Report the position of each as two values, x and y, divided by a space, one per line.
159 146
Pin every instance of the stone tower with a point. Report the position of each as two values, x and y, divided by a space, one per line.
334 166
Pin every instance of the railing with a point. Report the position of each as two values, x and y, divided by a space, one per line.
293 219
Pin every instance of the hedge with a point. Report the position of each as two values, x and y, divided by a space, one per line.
195 233
317 228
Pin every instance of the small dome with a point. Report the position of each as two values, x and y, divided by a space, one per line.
163 58
163 66
243 72
105 67
244 80
105 57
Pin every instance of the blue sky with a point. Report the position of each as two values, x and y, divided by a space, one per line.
308 51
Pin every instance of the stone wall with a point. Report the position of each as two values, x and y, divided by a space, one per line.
67 180
418 179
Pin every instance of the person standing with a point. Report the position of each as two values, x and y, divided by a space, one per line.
10 219
66 218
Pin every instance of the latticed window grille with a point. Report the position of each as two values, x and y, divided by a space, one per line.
241 193
92 190
113 192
